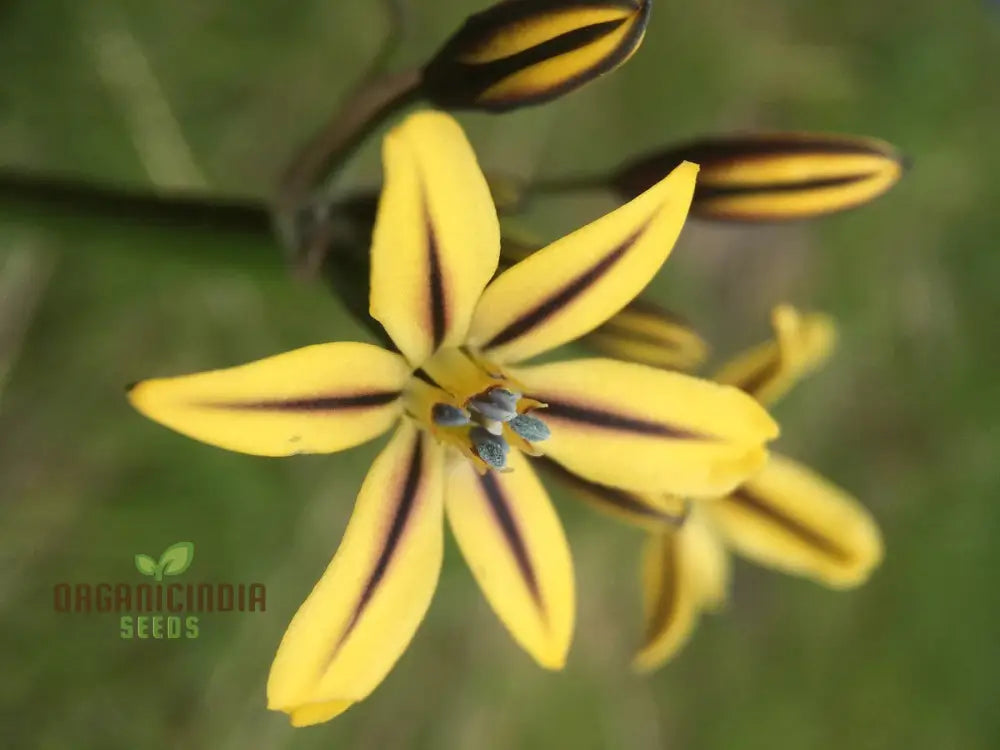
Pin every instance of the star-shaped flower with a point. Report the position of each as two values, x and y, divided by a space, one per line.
464 416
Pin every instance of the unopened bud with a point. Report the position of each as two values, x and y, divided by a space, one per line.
774 176
522 52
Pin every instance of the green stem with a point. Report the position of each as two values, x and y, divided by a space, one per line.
571 184
199 225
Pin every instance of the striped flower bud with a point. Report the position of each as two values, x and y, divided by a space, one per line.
774 176
645 333
522 52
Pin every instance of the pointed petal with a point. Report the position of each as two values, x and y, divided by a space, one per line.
572 286
788 517
319 399
363 612
646 333
648 430
654 512
436 240
801 344
511 538
683 572
317 713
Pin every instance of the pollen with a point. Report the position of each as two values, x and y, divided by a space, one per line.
489 422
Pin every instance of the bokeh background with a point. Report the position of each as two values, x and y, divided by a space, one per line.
215 94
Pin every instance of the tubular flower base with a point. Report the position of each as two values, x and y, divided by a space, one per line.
463 416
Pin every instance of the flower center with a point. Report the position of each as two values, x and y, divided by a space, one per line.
470 404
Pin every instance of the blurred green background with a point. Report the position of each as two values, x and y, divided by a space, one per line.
216 94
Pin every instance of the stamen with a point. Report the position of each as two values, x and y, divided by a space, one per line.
447 415
497 403
489 447
530 428
493 426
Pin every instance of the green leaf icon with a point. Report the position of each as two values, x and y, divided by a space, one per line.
175 559
145 565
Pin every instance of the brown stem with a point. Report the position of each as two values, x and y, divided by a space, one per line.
370 104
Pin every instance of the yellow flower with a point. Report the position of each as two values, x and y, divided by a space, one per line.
459 406
785 517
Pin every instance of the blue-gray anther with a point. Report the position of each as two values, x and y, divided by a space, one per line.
446 415
530 428
489 447
498 403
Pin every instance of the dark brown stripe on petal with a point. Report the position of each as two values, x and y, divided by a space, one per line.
438 310
452 83
706 191
422 374
645 308
508 525
749 500
405 503
607 420
752 383
315 403
611 496
721 152
557 301
663 608
620 331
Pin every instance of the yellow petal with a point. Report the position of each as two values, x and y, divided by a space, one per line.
363 612
318 399
436 240
648 430
511 538
683 572
317 713
801 344
645 333
572 286
654 512
705 555
789 518
522 52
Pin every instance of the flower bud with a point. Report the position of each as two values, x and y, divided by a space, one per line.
774 176
522 52
645 333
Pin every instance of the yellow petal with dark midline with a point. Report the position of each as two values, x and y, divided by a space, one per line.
572 286
522 52
436 240
648 430
365 609
514 544
683 573
790 518
653 512
646 333
775 176
319 399
802 343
